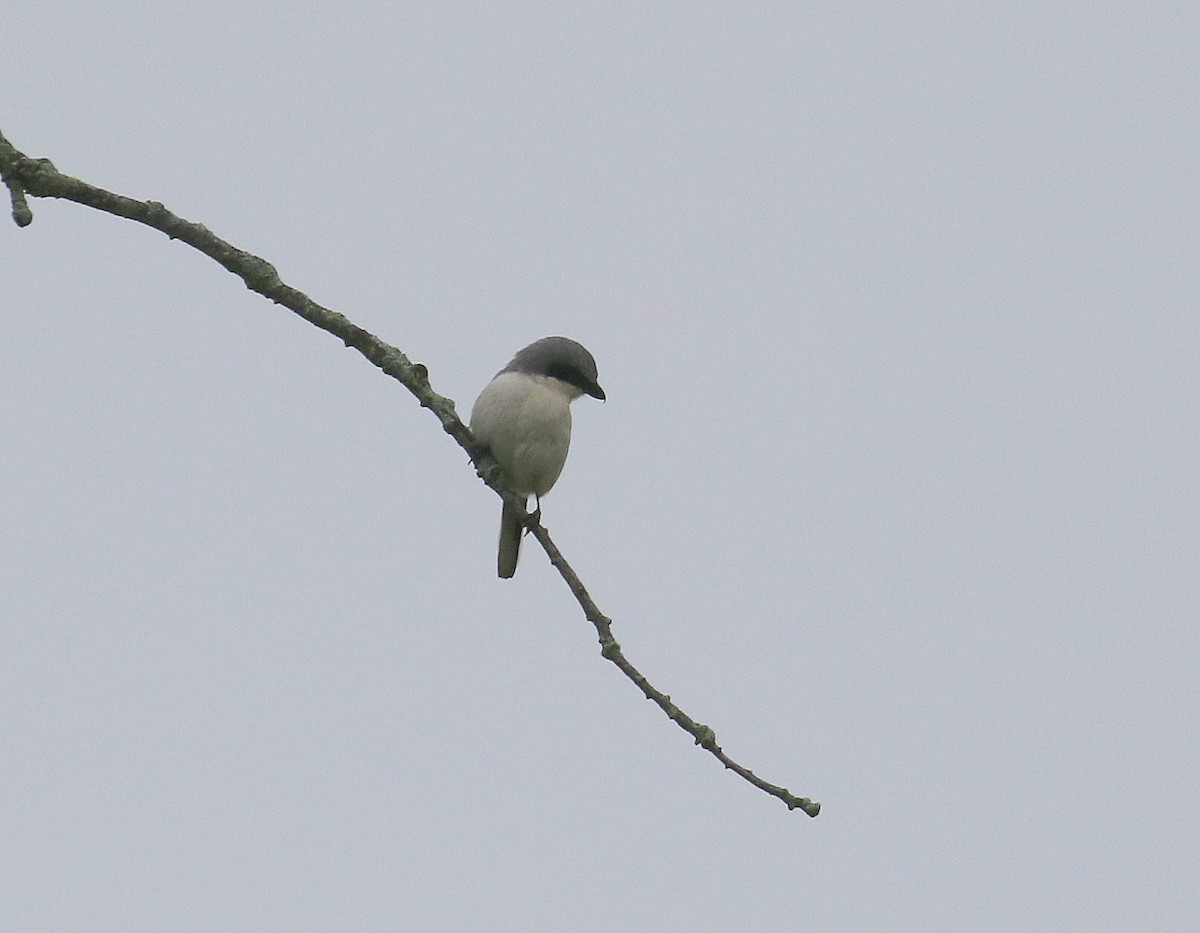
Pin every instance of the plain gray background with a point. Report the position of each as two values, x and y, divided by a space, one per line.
896 307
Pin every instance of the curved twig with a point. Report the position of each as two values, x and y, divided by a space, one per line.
40 178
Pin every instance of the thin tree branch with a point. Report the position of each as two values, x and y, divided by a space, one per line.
704 736
21 214
40 178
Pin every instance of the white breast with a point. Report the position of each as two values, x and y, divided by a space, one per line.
526 421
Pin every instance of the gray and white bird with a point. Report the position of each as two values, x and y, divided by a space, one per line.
524 416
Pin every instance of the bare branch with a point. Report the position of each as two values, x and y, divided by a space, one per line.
704 736
40 178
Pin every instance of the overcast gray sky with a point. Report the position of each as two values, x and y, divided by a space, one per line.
896 487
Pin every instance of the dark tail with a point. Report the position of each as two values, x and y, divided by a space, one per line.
512 526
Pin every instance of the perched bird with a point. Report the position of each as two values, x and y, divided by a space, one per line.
524 416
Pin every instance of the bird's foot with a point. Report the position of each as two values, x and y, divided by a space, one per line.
534 517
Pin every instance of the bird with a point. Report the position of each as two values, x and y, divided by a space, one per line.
523 416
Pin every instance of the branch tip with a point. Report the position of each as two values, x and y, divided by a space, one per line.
21 214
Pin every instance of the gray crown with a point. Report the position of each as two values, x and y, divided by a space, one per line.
561 358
